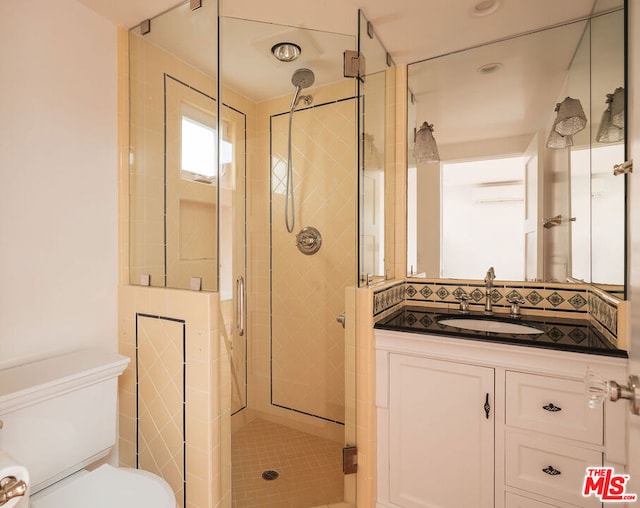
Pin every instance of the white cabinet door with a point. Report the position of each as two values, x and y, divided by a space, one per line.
441 437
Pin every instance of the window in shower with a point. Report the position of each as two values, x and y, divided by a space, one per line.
198 146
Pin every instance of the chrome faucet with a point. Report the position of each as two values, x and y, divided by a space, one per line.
488 283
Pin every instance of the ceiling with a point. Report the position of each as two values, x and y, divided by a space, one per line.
410 30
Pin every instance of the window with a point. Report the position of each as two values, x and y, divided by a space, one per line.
483 217
198 146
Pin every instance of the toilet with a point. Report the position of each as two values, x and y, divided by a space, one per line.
59 421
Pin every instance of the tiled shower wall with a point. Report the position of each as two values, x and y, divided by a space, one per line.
319 175
167 316
158 77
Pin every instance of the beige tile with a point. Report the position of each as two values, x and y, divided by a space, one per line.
309 468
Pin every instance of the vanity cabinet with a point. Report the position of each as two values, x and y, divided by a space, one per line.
438 446
430 399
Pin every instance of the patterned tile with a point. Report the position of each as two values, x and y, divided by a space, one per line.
477 295
533 297
513 294
577 335
161 430
426 291
555 334
442 293
555 299
459 292
577 301
547 297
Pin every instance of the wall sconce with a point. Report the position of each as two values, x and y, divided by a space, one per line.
570 119
617 108
558 140
607 131
425 148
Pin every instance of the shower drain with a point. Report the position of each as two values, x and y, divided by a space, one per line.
270 475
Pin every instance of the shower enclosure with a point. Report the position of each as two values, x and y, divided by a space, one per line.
248 178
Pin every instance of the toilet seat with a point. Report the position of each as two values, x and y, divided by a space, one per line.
109 487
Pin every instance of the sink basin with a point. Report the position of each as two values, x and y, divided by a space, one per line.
490 325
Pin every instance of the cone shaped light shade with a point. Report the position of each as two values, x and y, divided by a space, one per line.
425 148
571 118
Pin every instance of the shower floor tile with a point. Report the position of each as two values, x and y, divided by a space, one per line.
309 468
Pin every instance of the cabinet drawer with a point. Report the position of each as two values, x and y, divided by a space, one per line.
549 468
512 500
553 406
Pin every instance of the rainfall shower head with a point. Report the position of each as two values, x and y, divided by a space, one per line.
302 78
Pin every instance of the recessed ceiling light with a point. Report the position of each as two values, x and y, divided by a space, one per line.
485 7
490 68
286 51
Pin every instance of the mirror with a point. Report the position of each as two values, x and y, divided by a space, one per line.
499 196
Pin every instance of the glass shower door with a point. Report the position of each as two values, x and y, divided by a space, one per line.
232 265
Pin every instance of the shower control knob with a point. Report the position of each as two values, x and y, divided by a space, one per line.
309 240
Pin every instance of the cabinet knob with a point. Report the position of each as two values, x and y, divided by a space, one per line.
552 471
552 408
487 406
598 390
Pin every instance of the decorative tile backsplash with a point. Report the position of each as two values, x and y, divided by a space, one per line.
388 297
542 297
585 301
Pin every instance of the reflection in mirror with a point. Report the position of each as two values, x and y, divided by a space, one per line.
499 196
597 241
173 150
376 119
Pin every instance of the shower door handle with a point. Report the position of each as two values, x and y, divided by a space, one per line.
240 308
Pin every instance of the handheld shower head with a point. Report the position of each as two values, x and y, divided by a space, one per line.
302 78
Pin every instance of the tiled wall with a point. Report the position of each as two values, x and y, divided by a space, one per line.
175 337
320 174
307 344
156 78
566 300
205 370
161 402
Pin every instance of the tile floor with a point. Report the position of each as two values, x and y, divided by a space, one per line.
309 467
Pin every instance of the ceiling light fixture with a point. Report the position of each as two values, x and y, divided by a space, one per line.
286 51
485 7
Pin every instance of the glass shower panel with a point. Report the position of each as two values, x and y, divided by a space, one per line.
376 119
296 377
308 370
232 266
173 209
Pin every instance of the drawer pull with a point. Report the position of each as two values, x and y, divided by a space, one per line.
550 470
551 408
487 406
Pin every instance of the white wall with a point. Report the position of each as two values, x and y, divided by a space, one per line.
58 179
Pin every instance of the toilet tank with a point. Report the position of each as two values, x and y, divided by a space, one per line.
59 414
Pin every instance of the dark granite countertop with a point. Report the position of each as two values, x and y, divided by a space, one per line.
575 335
